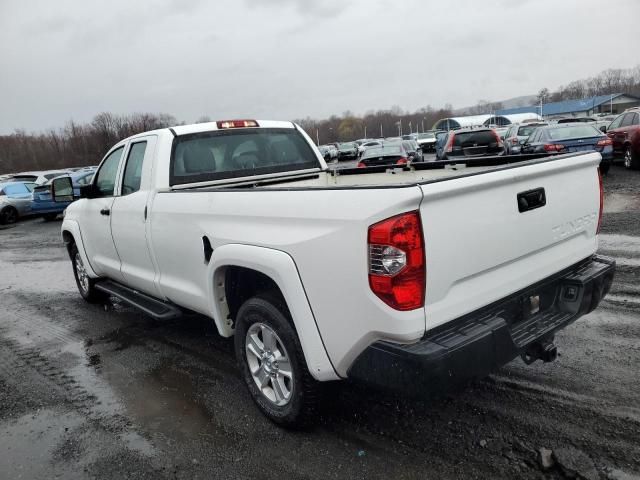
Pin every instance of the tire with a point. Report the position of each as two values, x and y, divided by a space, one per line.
290 399
604 167
8 215
50 217
86 285
631 159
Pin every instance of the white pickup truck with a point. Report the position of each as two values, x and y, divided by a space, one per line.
416 276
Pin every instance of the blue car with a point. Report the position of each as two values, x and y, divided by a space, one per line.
43 204
570 137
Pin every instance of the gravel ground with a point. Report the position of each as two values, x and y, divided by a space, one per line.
95 392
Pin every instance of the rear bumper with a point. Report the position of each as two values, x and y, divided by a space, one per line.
478 343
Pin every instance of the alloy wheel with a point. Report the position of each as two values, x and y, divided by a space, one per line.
269 364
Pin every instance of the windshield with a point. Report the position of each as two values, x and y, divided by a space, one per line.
222 154
577 131
526 131
426 135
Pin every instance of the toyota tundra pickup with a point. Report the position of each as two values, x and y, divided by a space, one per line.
411 277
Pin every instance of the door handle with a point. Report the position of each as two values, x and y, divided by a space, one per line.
531 199
105 211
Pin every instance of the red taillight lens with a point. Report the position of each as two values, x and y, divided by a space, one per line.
401 161
237 123
397 261
449 148
361 165
601 201
604 142
553 147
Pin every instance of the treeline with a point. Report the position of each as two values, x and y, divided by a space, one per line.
607 82
374 124
76 144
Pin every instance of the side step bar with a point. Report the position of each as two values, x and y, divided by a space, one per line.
147 304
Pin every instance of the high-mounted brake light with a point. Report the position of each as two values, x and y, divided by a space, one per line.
604 142
601 201
397 261
237 123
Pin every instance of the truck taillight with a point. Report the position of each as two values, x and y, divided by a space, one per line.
401 161
236 124
449 147
397 261
601 201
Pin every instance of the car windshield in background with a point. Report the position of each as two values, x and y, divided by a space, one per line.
480 137
222 154
381 151
575 131
426 135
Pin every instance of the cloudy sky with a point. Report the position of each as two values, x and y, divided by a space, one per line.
286 59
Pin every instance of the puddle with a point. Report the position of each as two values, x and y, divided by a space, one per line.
164 401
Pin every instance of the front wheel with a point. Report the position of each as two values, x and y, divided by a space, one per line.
86 285
8 215
273 366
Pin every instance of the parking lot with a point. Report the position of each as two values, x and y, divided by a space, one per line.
91 391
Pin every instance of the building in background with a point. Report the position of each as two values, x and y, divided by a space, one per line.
586 107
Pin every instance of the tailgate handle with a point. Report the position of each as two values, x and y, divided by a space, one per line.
531 199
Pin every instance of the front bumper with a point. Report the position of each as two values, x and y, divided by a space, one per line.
478 343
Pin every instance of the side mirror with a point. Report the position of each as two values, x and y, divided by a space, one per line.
603 129
62 190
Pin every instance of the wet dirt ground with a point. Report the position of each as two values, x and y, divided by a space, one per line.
94 392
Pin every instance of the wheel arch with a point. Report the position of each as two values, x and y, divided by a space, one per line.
237 272
70 232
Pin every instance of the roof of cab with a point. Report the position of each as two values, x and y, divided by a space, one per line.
208 126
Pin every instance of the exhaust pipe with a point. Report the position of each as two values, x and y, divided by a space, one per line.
544 350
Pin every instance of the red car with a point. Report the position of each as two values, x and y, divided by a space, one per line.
624 132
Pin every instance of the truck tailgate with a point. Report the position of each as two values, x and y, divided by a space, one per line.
480 246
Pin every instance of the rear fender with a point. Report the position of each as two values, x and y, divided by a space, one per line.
280 268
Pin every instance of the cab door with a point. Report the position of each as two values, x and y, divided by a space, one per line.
129 216
95 226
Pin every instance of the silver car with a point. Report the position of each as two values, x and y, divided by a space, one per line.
15 201
516 136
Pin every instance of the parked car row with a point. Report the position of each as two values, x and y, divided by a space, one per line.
29 193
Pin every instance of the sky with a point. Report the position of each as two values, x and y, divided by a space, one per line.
289 59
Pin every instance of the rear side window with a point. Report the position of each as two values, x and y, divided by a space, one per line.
106 176
222 154
525 131
468 139
616 123
15 189
133 169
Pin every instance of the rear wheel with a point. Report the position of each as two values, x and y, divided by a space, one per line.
604 166
86 285
273 365
631 159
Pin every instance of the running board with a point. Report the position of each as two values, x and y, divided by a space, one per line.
146 303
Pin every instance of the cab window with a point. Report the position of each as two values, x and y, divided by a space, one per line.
106 176
133 169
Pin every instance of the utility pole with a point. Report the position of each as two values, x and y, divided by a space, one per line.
381 134
365 131
317 137
410 128
400 128
422 122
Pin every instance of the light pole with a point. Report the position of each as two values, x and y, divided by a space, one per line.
365 131
381 134
317 137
